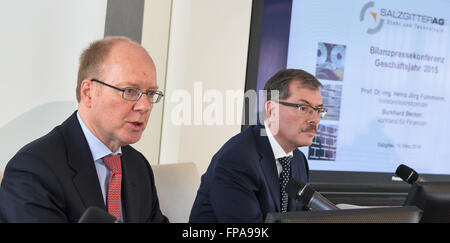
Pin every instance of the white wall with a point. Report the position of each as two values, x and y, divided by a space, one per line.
208 48
40 45
193 42
155 39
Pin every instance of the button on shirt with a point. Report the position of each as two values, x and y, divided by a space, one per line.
100 150
278 151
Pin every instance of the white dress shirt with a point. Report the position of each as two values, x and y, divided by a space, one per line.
278 151
98 151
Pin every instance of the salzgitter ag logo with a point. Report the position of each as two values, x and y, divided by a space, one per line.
374 16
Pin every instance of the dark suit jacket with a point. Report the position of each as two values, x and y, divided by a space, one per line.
53 179
242 184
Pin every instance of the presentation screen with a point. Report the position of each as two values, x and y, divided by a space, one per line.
384 66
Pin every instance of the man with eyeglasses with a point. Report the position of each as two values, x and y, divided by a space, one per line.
87 161
247 176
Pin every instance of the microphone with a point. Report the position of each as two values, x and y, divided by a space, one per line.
408 175
306 195
97 215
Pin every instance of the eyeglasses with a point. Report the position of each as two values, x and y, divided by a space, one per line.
134 94
307 110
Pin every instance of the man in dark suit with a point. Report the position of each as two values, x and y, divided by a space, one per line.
247 176
87 160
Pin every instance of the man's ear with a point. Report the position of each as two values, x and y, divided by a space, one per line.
86 92
272 111
269 108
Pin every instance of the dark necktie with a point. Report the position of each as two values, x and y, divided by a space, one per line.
114 188
285 175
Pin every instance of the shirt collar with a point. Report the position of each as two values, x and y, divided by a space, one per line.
98 148
278 151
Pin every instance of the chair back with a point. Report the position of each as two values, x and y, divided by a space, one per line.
177 186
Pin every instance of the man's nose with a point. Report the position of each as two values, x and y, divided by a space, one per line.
143 104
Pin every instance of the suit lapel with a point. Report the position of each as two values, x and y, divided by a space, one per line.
295 169
295 174
268 164
80 160
300 169
299 172
130 195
